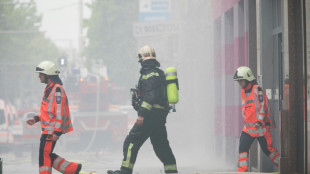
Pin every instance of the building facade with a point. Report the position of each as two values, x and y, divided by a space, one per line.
271 37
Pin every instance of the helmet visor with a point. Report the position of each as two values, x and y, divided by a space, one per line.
39 69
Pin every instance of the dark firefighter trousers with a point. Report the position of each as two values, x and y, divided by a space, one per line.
154 128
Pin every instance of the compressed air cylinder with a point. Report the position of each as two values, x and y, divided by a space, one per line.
172 85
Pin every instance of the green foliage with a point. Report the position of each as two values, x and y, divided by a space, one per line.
20 38
22 47
110 34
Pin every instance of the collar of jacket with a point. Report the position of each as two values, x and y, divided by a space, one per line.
48 89
50 85
56 79
249 86
149 64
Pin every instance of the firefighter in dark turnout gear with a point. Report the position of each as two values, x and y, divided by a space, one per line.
152 106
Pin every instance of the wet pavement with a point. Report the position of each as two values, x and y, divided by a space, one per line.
104 160
99 162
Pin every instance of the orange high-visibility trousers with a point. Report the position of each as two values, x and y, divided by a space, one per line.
48 159
265 143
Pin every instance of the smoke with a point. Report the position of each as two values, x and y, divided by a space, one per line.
190 50
183 41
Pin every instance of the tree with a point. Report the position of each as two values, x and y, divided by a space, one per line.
20 37
110 34
22 46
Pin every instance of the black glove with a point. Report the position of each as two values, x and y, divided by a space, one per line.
258 122
37 118
134 99
135 104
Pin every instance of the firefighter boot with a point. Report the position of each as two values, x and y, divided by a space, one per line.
78 169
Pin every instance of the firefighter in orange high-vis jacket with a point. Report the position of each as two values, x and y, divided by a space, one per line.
55 121
257 118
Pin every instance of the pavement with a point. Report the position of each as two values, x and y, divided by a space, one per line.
102 161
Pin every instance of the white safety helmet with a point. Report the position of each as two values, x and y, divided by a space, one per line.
48 68
244 73
146 52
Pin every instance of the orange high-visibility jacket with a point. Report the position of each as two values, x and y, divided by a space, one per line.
55 114
254 109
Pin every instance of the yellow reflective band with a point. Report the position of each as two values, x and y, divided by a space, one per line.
172 167
146 105
127 163
158 106
144 77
